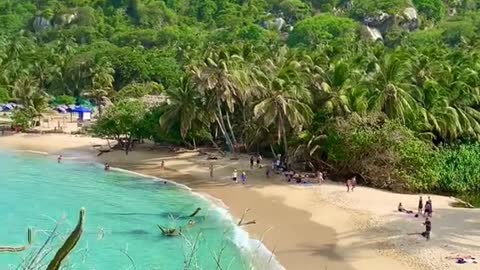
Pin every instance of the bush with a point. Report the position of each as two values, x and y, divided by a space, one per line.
364 8
433 9
460 169
385 153
64 100
323 28
4 96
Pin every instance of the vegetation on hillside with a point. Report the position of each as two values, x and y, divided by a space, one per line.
366 86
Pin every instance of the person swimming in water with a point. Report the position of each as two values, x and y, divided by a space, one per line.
59 159
107 167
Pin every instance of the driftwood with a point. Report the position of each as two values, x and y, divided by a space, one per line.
170 231
241 223
178 231
19 248
195 213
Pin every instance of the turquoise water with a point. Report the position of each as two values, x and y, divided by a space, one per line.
123 211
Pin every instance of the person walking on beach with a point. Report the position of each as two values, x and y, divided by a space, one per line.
162 164
428 228
259 159
244 178
349 184
59 159
211 170
420 206
234 176
251 161
354 182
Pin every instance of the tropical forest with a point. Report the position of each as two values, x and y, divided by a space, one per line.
388 90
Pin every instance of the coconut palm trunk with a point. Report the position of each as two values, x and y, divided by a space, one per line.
221 124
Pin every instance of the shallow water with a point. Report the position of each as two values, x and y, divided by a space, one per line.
123 211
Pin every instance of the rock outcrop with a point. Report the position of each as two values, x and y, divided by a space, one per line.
409 20
370 34
382 21
40 24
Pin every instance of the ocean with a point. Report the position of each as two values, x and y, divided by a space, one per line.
123 211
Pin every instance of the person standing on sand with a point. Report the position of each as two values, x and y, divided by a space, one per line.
428 209
59 159
420 206
244 178
428 228
234 176
211 170
259 159
349 183
320 177
162 164
251 161
354 182
431 206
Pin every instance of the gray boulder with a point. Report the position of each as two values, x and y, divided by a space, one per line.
40 24
381 21
277 23
409 20
370 34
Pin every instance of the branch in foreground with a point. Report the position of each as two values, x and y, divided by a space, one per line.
69 244
20 248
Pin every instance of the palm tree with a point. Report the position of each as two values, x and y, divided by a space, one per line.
338 89
102 83
28 94
220 79
391 91
186 106
285 100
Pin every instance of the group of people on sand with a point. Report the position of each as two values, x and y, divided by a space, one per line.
293 176
423 210
243 177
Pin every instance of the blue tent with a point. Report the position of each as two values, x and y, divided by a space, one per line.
83 113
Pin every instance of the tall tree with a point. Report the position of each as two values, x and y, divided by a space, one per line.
285 100
102 83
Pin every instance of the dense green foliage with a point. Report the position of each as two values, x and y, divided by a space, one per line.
322 29
250 75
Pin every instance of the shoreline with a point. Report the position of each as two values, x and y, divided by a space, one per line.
241 238
305 227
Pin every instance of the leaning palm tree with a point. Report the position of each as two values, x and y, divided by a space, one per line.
219 77
285 101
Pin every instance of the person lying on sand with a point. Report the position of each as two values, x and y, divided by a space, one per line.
402 209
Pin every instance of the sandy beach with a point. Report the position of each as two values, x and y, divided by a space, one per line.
307 227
